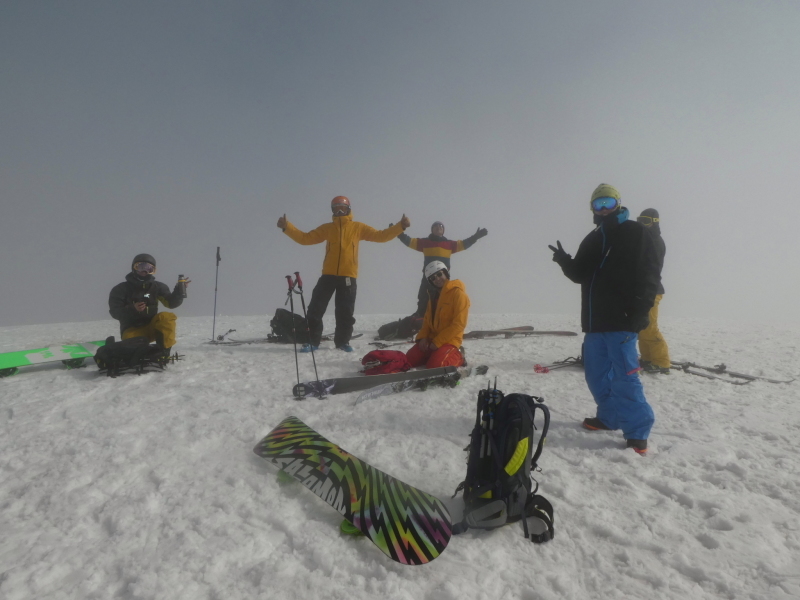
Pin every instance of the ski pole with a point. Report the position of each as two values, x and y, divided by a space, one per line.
216 279
299 283
294 334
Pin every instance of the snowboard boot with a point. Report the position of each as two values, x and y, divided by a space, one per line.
308 348
640 446
595 424
345 348
653 369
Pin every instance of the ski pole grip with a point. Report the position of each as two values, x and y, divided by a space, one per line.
289 281
298 280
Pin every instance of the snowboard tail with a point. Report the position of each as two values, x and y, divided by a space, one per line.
408 525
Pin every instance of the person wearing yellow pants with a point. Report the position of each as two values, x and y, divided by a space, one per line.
134 303
652 345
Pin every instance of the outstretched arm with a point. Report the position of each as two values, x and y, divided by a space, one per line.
315 236
466 243
370 234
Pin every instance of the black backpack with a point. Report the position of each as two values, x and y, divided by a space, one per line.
401 329
133 354
498 488
281 325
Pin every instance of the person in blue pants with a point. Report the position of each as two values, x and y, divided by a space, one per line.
617 269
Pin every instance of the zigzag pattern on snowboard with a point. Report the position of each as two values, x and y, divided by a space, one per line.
410 526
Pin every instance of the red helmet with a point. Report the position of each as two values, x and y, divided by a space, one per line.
340 205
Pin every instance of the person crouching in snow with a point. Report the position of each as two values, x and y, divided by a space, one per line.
444 323
134 303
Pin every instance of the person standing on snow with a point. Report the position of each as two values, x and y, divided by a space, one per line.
134 303
339 269
652 345
616 266
436 247
445 320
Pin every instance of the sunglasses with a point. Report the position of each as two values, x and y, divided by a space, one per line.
645 220
144 266
599 204
436 276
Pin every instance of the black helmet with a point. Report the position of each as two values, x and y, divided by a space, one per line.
148 258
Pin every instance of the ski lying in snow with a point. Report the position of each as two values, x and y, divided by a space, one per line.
343 385
450 380
572 361
722 369
408 525
382 345
72 355
511 332
328 337
686 368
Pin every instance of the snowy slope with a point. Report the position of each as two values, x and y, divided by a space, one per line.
147 487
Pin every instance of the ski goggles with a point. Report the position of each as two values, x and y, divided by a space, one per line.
607 202
340 209
647 221
436 275
144 266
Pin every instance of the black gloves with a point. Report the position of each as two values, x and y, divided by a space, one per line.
560 255
640 322
481 233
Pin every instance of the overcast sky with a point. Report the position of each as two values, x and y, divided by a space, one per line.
175 127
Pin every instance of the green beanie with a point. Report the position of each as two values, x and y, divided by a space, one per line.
605 191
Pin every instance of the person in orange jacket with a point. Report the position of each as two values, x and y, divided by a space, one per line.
339 269
445 320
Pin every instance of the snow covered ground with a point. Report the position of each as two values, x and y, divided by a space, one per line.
147 487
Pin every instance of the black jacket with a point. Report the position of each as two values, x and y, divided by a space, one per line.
617 268
661 250
133 289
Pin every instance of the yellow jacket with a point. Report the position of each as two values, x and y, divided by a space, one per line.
342 237
452 310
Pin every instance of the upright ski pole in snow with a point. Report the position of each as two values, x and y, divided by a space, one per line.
299 283
294 334
216 279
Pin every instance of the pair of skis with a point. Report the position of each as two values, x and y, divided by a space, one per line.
221 341
343 385
480 334
722 373
571 361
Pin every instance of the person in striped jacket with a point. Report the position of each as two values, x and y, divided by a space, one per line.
436 247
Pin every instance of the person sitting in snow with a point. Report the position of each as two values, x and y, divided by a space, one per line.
339 269
617 269
436 247
438 342
134 303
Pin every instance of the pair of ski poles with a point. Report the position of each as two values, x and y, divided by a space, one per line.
298 283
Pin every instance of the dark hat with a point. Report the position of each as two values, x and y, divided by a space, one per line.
649 212
143 258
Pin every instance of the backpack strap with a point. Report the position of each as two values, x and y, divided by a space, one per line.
539 509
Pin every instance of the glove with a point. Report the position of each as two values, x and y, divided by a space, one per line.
481 233
560 255
640 322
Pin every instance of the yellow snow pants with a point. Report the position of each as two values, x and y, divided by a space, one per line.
162 326
652 345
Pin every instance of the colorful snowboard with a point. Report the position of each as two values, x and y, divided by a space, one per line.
71 355
406 524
